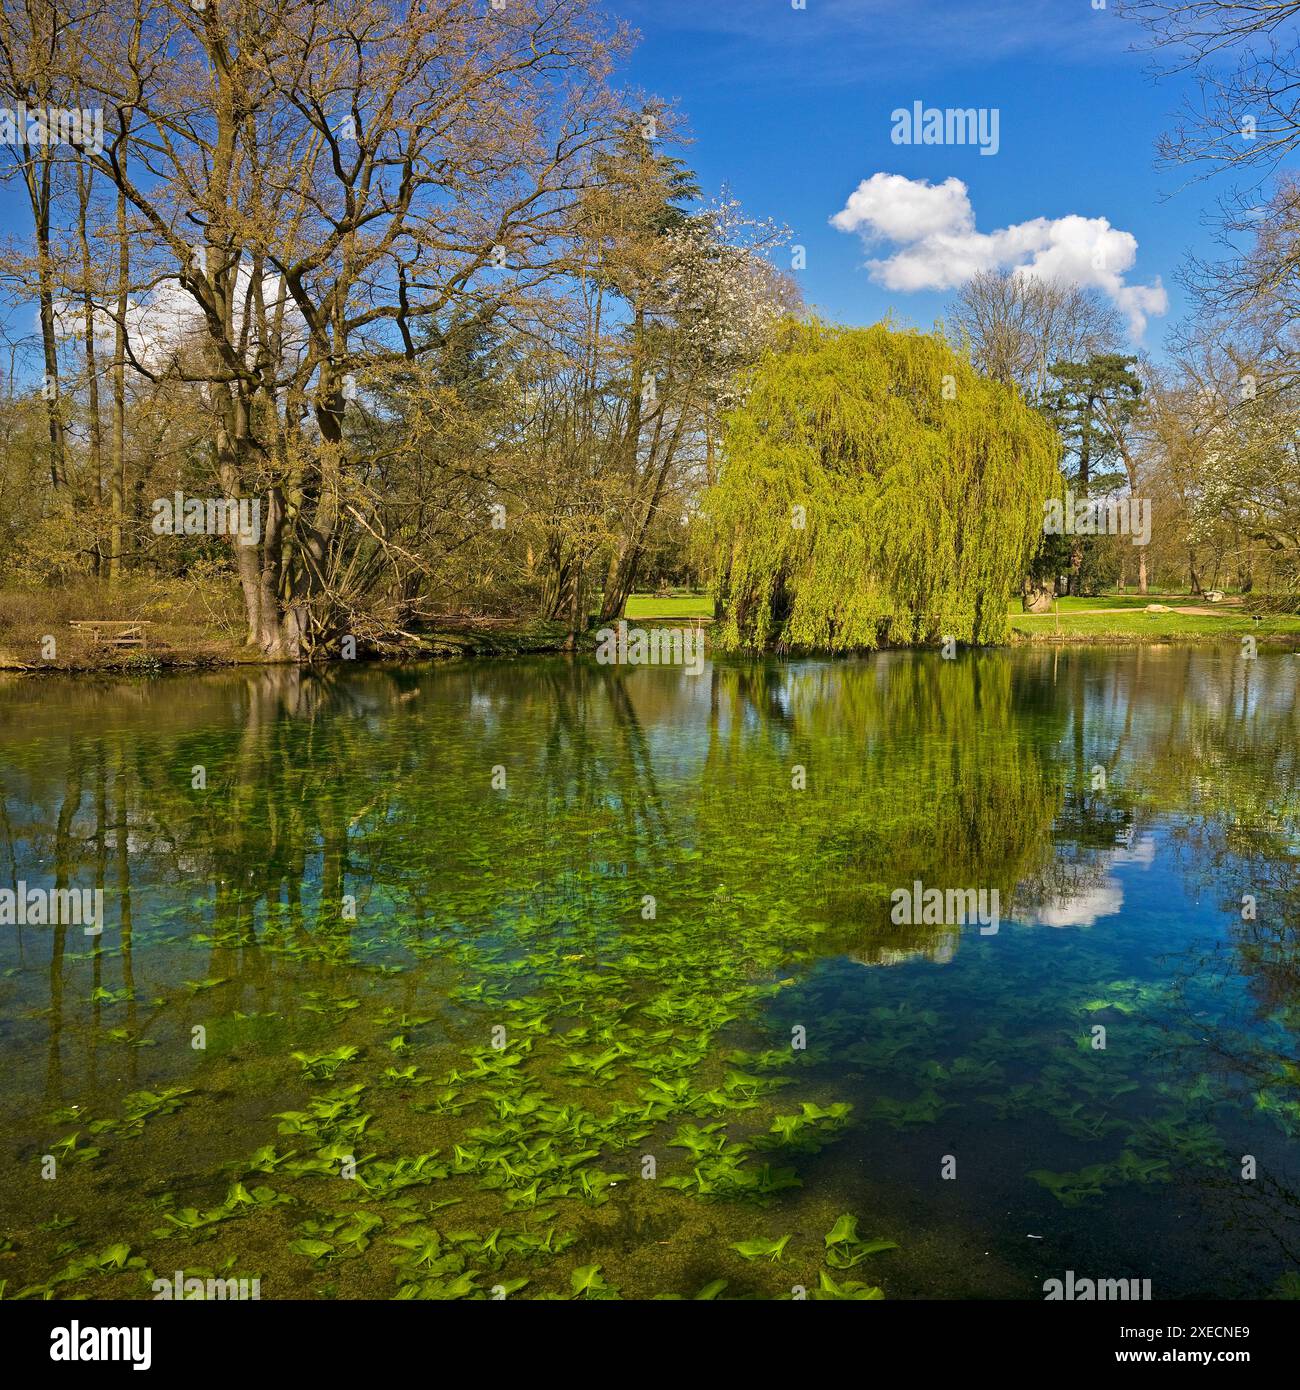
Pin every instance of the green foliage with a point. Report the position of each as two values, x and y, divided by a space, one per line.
921 486
1093 403
844 1248
851 1290
323 1065
761 1248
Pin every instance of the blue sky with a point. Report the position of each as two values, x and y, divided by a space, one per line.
792 109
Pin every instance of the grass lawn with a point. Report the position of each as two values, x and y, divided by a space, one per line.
1146 626
1080 620
648 606
1125 600
1077 621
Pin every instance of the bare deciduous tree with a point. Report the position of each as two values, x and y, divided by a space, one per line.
321 182
1016 325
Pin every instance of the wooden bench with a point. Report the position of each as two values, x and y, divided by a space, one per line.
113 632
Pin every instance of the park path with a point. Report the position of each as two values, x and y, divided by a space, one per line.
1186 609
1190 611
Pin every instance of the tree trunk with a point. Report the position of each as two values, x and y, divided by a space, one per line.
84 180
1036 595
117 464
577 623
40 192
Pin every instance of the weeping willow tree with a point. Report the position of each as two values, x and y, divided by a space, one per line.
875 489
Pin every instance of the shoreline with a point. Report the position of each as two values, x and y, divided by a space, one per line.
526 640
530 642
1288 640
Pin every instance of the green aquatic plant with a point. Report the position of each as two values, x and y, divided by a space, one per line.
1177 1138
809 1131
587 1282
1134 1167
844 1248
264 1160
316 1250
593 1066
770 1060
113 1259
261 1196
322 1066
762 1248
1074 1189
73 1152
449 1100
423 1251
724 1176
829 1291
1285 1114
595 1185
925 1109
140 1106
711 1291
192 1219
711 1139
100 995
337 1236
380 1177
405 1076
1016 1101
963 1071
1082 1123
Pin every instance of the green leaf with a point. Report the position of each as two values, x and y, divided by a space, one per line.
760 1247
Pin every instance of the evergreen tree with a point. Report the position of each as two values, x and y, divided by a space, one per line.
1092 404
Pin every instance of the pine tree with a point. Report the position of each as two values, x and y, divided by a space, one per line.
1092 404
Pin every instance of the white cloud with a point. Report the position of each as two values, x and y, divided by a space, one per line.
168 320
903 209
1084 909
937 246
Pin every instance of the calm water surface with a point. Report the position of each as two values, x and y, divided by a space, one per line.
469 978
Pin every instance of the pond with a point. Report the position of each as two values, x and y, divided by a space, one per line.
550 979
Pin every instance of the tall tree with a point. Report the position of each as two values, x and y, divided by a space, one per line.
34 57
875 489
1093 404
315 182
1015 325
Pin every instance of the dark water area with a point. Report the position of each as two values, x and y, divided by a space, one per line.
548 979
